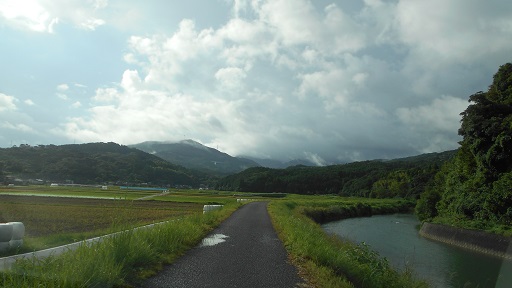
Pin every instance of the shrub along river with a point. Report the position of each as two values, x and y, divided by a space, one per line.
396 238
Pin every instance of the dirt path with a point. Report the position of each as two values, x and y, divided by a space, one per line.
244 251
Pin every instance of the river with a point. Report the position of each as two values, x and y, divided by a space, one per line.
396 238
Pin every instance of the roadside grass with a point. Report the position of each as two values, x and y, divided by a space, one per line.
121 260
327 261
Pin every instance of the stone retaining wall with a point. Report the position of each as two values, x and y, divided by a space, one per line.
479 241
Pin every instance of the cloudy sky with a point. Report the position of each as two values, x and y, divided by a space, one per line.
324 80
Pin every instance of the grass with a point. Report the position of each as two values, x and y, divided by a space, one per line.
327 261
51 221
118 261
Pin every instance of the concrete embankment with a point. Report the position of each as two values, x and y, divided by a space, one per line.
475 240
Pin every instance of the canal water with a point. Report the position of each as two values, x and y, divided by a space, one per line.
396 237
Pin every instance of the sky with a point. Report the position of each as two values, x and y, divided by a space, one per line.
328 81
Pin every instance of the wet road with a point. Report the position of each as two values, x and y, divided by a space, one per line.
244 251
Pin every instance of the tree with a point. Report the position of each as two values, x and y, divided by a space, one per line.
477 186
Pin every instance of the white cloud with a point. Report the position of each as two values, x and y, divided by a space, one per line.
459 32
7 102
26 14
138 115
62 87
294 79
231 78
131 80
62 96
44 15
432 127
78 85
77 104
29 102
106 95
442 114
315 158
18 127
92 23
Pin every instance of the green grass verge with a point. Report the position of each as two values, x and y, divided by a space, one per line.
327 261
120 260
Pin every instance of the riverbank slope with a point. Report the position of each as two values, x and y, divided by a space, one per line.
475 240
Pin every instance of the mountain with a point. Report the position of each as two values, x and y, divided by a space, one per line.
194 155
92 163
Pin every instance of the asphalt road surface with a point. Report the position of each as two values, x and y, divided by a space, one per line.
244 251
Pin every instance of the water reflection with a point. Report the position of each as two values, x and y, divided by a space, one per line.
396 238
213 240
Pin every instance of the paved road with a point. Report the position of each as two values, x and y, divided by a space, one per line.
249 255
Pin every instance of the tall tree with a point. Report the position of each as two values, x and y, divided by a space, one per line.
477 185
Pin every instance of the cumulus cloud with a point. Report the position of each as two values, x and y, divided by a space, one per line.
462 31
295 79
432 125
26 14
7 102
442 114
44 15
152 115
231 78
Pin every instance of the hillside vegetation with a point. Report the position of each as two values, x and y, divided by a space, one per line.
91 163
194 155
405 178
474 188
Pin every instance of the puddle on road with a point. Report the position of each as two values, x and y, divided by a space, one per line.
213 240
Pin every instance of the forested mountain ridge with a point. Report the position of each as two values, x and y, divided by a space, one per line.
474 188
194 155
92 163
405 177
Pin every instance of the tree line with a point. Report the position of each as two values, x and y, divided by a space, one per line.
404 178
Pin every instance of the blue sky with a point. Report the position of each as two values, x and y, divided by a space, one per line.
329 81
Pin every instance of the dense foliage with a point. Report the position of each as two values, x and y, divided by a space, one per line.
405 178
474 189
91 163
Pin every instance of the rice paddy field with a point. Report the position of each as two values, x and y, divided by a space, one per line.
55 216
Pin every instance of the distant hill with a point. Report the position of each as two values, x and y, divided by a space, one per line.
92 163
194 155
271 163
405 177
